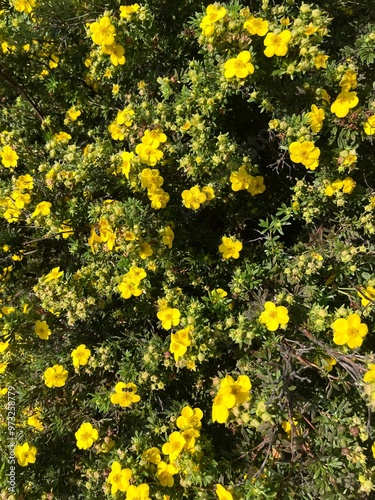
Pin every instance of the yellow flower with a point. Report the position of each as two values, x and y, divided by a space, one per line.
53 275
125 117
150 179
256 26
3 366
165 473
328 363
310 29
125 394
34 421
306 153
145 250
86 435
168 236
140 492
190 418
20 199
66 230
287 426
219 293
54 61
80 356
25 182
367 295
152 455
119 478
4 346
215 12
62 137
131 281
369 126
116 52
277 44
43 208
180 341
239 66
350 159
256 185
320 61
107 235
170 316
344 101
349 331
74 113
127 10
230 248
8 157
126 163
42 329
117 132
159 198
315 118
209 192
222 493
273 316
240 180
348 184
25 6
369 376
7 310
223 402
174 446
25 454
3 391
103 32
239 388
348 81
193 198
55 376
148 155
154 138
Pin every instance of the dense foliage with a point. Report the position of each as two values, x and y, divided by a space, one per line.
187 247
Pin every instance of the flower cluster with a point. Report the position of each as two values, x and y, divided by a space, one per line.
152 181
102 233
214 13
241 180
103 33
231 394
130 282
118 128
194 197
346 185
180 341
125 394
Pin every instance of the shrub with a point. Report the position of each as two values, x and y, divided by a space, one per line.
187 242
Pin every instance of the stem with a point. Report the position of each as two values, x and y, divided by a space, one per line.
9 79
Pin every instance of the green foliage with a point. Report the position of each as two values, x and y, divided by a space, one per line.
203 225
